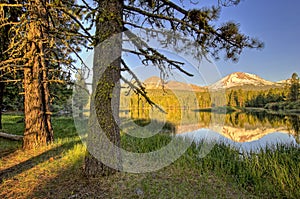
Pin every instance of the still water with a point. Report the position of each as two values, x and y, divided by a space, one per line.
244 130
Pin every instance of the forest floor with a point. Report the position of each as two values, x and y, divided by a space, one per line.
55 171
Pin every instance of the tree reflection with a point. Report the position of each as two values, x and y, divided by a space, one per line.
248 123
294 123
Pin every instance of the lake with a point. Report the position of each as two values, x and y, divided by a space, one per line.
244 130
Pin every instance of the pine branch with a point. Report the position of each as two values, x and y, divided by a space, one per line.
11 80
174 6
206 36
12 5
133 75
144 94
9 24
156 56
75 52
77 21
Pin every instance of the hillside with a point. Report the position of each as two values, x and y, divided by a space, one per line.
156 83
237 80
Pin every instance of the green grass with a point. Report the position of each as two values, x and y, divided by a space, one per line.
55 171
11 125
271 173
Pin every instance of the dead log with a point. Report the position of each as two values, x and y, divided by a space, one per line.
11 136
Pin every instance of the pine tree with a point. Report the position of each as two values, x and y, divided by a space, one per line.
294 88
38 48
7 15
80 93
232 98
114 16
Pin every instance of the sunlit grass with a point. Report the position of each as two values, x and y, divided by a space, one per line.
55 171
272 172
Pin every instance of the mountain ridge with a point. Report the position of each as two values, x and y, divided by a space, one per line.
155 82
231 81
240 79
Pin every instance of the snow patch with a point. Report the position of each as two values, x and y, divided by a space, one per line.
240 79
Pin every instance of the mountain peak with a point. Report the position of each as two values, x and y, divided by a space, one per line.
240 79
233 80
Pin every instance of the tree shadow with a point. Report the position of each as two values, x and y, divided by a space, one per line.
7 152
70 183
34 161
68 180
8 147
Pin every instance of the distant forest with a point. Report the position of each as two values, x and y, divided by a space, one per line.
272 98
190 100
168 99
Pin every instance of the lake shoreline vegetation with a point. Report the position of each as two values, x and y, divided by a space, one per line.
276 108
44 75
226 172
55 171
284 99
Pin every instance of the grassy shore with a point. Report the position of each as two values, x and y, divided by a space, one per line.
55 171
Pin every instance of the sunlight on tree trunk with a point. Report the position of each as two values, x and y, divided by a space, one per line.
109 22
41 36
1 101
38 128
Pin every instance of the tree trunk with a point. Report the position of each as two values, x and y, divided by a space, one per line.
1 101
80 109
38 128
103 159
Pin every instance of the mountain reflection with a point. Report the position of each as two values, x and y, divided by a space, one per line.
237 126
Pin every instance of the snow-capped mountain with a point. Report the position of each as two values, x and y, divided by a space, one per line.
234 80
240 79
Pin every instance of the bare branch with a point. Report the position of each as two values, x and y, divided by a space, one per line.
132 74
155 56
11 5
77 21
176 7
143 93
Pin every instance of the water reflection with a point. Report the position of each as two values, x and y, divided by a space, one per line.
270 140
294 124
242 128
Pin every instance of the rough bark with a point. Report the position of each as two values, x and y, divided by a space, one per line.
107 88
38 128
1 101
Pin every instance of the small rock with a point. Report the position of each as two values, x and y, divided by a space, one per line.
139 191
74 196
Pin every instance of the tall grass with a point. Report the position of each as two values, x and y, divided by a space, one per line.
272 172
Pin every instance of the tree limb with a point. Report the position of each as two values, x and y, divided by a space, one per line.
11 136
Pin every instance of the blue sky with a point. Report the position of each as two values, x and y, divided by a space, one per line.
277 24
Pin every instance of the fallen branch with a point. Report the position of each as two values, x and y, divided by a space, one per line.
11 136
